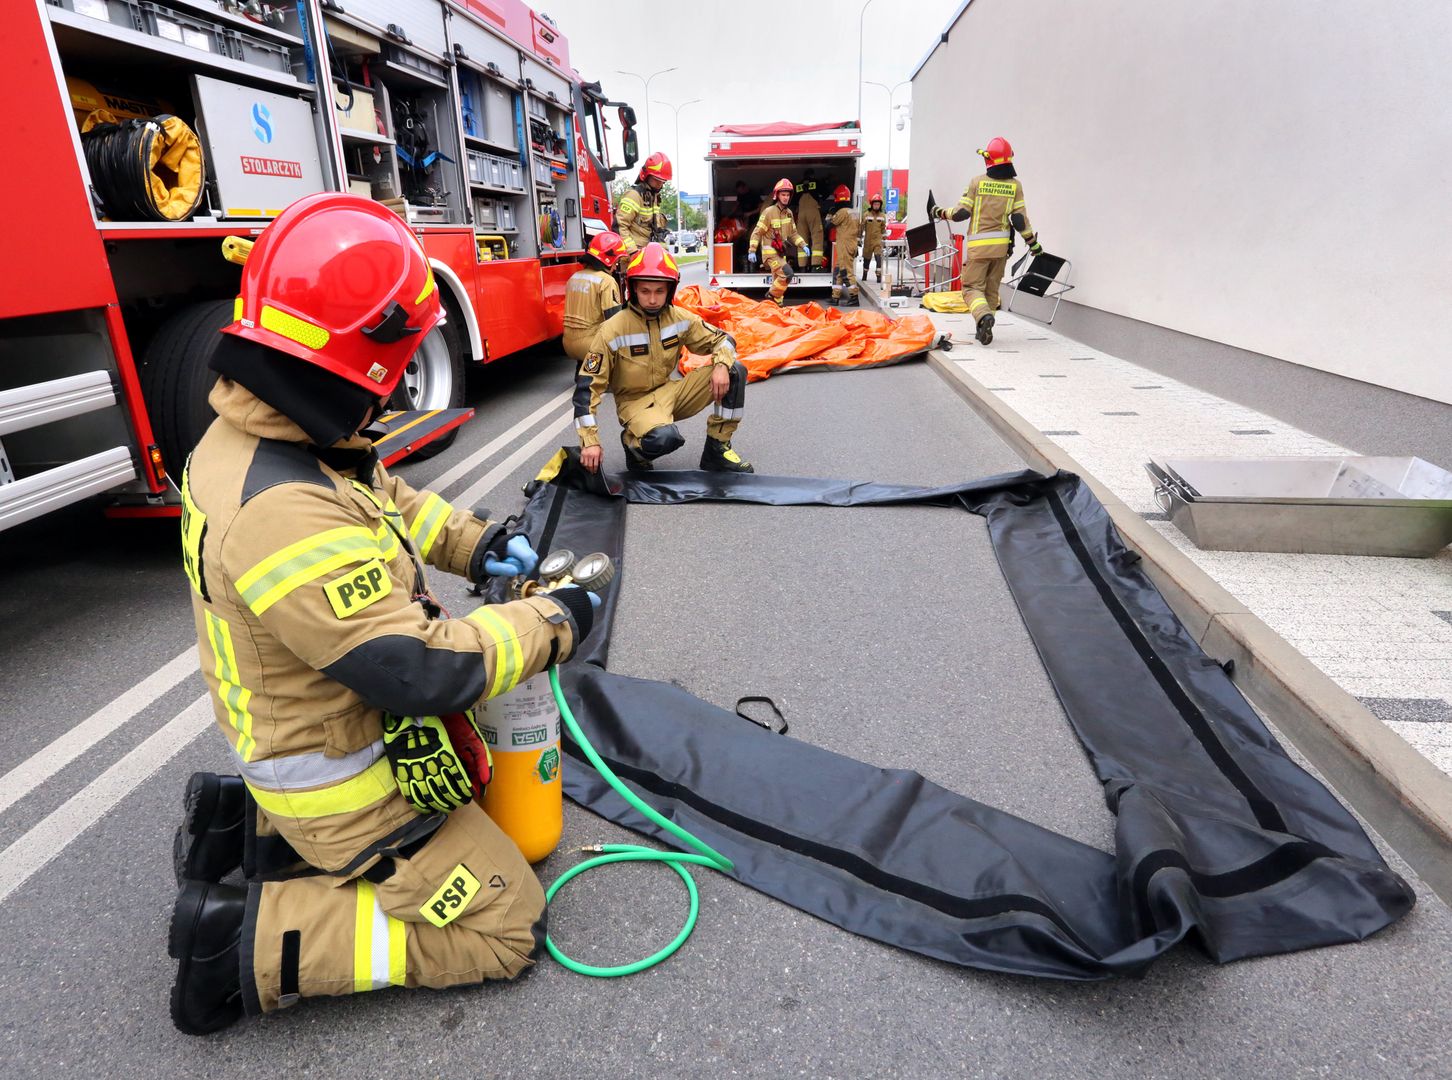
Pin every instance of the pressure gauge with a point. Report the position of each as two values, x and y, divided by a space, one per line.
594 571
556 564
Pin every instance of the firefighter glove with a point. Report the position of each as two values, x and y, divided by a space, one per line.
519 559
429 773
751 258
1036 248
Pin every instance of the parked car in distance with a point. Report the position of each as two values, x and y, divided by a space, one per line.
686 240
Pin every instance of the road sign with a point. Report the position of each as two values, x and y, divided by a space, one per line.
892 200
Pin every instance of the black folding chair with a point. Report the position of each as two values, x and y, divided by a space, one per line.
1041 276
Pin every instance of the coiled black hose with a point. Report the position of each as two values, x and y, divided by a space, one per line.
135 179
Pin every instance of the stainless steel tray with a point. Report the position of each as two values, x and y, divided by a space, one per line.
1391 506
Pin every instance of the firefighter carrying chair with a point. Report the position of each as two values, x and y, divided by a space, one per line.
1041 276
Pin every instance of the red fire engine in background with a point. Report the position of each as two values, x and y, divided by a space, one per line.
465 116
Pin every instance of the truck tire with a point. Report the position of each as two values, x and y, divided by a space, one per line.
176 377
434 379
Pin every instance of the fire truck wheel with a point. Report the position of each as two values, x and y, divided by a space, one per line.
434 379
176 378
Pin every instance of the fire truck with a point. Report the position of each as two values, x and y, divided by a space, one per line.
464 116
757 156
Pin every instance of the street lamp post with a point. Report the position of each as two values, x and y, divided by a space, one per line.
676 111
861 24
646 80
891 90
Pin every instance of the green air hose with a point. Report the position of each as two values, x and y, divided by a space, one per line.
614 853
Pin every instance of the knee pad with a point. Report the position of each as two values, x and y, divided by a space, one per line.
657 442
735 396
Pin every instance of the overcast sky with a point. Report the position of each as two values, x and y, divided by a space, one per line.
751 61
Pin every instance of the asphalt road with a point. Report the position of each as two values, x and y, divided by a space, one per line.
887 634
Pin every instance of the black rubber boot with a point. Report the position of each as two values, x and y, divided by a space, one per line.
985 330
634 460
210 840
206 937
717 456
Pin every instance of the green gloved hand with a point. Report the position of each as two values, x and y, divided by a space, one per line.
428 771
1036 248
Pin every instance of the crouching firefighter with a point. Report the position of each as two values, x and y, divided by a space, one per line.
633 357
342 690
993 205
775 229
592 294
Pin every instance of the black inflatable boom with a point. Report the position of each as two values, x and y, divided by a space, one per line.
1219 835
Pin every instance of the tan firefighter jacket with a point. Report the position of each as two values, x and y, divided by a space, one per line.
638 215
591 297
304 567
874 229
634 353
993 208
775 229
845 241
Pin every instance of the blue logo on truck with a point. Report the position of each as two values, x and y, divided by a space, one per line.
261 122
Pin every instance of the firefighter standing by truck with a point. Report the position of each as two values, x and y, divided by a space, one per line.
639 218
592 294
633 358
844 222
874 231
993 205
809 220
342 691
775 229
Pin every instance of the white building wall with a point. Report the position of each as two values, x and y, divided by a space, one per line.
1275 175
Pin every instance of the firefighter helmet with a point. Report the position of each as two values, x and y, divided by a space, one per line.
842 194
998 152
652 263
340 282
875 197
606 248
657 165
783 185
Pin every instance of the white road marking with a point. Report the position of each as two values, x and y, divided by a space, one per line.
491 448
44 841
45 763
50 836
495 476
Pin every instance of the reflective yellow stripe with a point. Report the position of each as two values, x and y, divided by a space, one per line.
233 695
308 559
363 938
978 302
429 523
1018 205
398 950
294 329
508 656
990 240
356 793
428 288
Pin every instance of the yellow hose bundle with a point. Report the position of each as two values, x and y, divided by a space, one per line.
148 169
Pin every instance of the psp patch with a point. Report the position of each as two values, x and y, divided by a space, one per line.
365 586
592 363
453 897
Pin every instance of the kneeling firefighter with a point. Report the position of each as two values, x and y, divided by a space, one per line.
343 692
633 357
592 294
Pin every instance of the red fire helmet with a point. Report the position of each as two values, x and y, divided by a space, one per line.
341 282
657 165
842 194
652 262
607 247
998 152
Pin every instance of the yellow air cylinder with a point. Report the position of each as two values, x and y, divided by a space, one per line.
525 798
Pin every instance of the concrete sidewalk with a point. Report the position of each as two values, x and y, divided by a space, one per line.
1380 628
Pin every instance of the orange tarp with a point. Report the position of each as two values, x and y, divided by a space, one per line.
808 337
